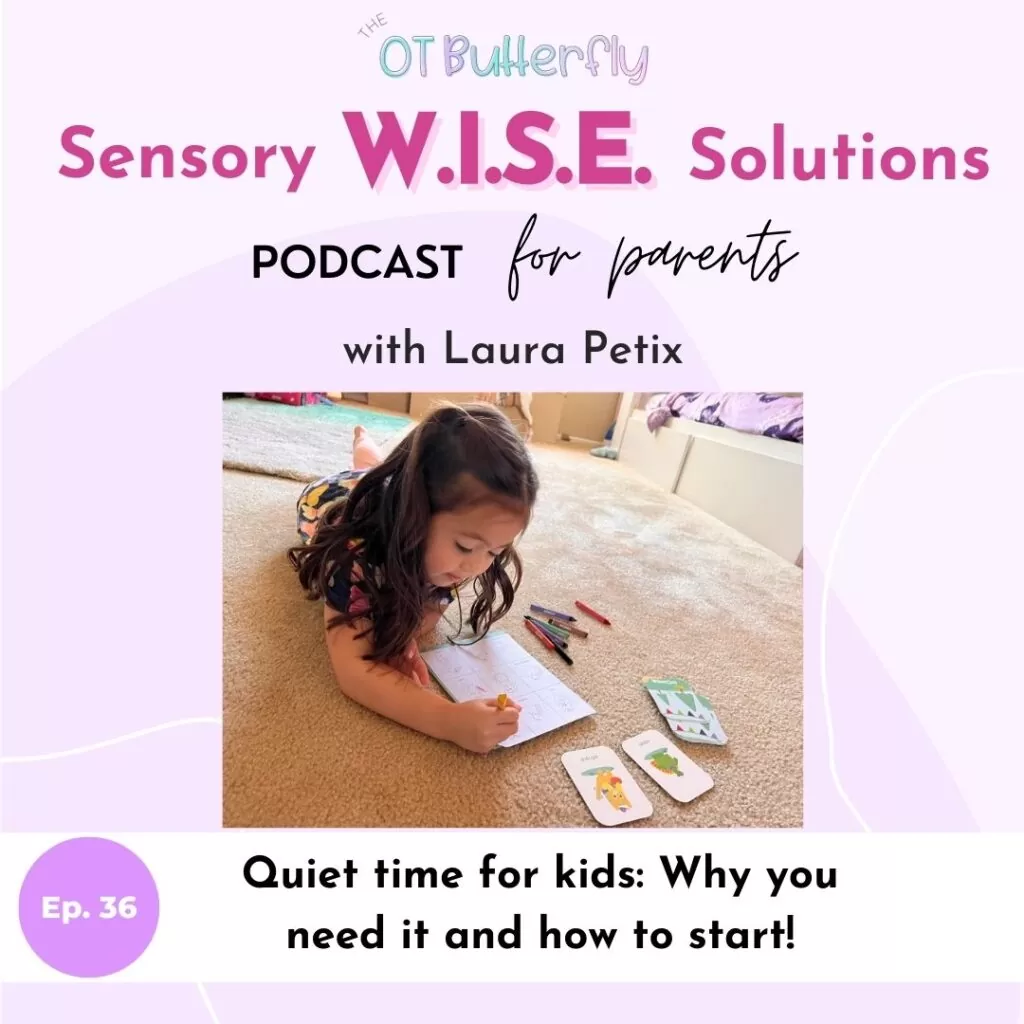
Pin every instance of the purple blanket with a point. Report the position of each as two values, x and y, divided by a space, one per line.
752 412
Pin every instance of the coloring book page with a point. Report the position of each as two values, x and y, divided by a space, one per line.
497 664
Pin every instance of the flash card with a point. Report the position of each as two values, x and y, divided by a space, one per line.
670 768
697 732
677 682
608 790
675 696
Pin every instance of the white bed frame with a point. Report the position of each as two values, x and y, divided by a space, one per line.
751 482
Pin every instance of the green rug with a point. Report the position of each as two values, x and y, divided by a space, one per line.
302 442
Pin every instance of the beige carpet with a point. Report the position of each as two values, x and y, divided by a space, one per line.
687 596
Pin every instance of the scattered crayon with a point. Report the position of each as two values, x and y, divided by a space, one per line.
555 638
590 611
554 626
563 655
549 611
539 634
546 641
570 629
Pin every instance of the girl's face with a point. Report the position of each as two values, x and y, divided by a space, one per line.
462 544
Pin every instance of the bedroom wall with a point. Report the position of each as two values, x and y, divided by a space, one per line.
588 416
758 494
545 408
393 401
752 483
555 414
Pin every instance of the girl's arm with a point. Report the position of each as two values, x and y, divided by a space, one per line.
476 725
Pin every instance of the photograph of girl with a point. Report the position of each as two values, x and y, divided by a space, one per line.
512 610
389 556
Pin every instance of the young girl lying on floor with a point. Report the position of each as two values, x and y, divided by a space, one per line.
388 545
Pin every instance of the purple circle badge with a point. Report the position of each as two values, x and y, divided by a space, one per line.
89 907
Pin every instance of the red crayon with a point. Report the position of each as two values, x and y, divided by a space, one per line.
557 640
590 611
539 634
546 641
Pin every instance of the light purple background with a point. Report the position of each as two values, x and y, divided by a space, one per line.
508 1004
119 349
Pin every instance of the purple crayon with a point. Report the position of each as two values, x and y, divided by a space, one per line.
555 615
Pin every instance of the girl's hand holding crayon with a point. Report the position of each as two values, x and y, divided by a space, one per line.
480 725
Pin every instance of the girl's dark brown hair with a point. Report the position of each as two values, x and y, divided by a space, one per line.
457 456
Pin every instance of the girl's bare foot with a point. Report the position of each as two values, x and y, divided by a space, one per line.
365 453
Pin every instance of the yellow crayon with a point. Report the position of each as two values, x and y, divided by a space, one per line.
502 700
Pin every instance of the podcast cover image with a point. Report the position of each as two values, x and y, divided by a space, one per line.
513 609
